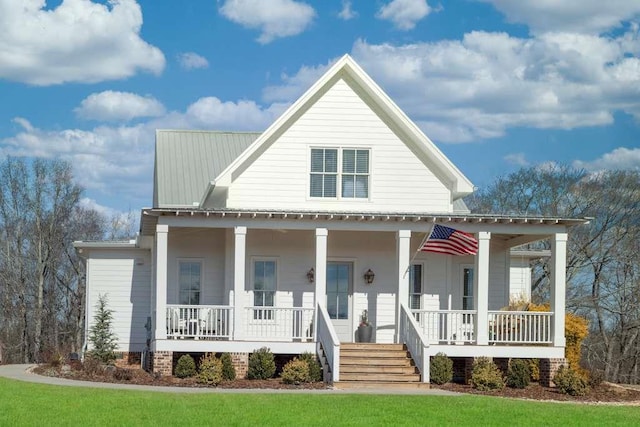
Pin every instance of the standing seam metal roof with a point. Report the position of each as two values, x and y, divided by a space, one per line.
186 161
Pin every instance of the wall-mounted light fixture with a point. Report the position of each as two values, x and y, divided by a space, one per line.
311 275
369 276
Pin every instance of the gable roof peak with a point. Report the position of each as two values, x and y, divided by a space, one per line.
410 133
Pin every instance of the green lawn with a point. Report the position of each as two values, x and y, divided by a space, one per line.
36 404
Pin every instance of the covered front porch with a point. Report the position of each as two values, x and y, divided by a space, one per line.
318 264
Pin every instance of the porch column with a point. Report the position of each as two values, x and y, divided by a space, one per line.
162 231
403 251
321 267
482 287
558 286
239 266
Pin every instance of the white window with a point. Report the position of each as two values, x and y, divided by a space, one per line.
355 174
189 279
352 178
324 172
264 283
415 286
467 288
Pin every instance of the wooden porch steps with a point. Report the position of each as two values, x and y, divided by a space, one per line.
364 365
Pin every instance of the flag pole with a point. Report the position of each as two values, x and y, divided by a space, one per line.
426 237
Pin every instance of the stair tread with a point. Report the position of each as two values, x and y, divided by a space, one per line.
380 384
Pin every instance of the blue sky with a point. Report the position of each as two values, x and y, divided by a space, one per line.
496 84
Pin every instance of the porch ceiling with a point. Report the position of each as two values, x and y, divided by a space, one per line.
150 219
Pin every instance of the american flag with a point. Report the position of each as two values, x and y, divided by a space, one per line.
450 241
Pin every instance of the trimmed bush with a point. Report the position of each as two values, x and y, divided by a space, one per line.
228 370
210 370
296 371
186 367
262 365
518 374
486 376
534 367
315 370
569 381
441 370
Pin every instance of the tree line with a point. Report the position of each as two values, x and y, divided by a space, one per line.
42 292
603 257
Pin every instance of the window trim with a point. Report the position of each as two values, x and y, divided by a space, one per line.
339 174
255 259
411 293
202 275
464 267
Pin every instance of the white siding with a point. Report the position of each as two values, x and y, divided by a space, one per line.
520 279
279 178
207 246
124 276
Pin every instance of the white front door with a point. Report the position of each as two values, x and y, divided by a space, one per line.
339 291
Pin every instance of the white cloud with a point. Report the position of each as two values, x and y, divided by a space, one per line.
404 14
619 159
274 18
191 61
582 16
517 159
116 106
78 41
480 86
242 115
293 86
347 13
118 160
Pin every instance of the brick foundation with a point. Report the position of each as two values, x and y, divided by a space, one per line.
548 369
162 363
240 363
128 359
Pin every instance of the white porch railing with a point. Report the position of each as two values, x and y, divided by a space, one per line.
522 327
278 323
411 335
199 321
328 340
448 326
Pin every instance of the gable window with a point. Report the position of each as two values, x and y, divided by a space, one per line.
324 172
264 287
352 177
189 279
355 173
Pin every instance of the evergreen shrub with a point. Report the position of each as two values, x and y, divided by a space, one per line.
228 370
485 375
262 364
296 371
315 370
518 374
210 370
186 367
441 369
569 381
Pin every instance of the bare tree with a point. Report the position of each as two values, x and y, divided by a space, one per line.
602 263
41 288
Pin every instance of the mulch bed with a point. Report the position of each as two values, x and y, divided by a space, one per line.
141 377
605 392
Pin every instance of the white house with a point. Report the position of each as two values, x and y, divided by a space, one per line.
284 238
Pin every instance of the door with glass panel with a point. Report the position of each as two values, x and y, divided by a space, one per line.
339 292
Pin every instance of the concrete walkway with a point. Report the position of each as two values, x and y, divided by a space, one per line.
23 373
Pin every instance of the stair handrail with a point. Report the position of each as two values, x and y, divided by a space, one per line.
417 344
328 340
